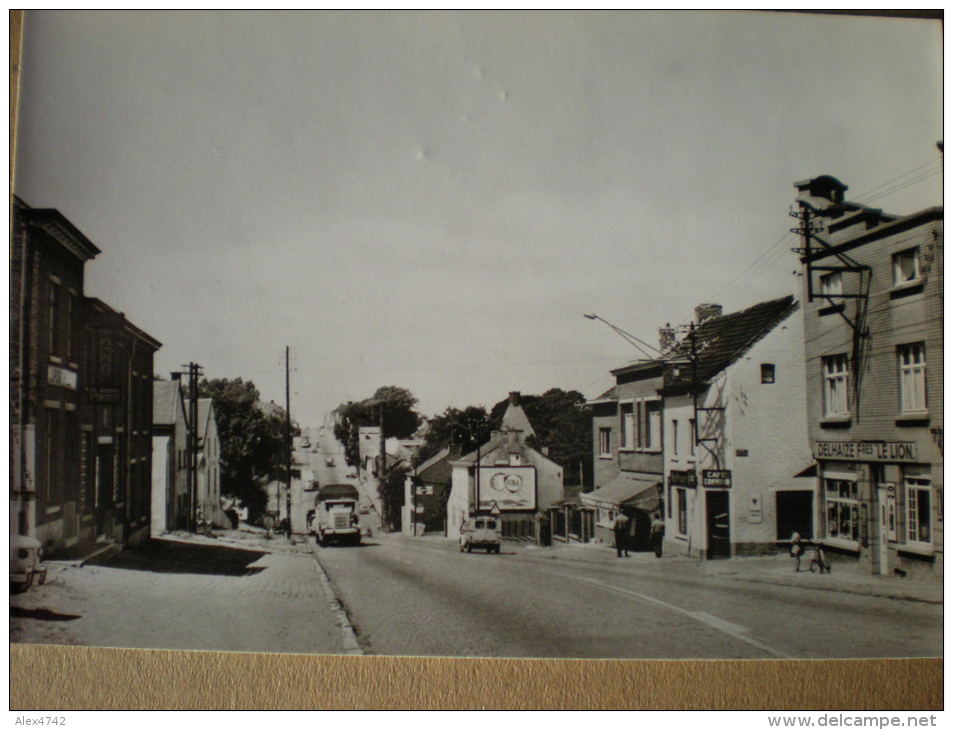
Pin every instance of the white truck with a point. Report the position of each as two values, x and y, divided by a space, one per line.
335 515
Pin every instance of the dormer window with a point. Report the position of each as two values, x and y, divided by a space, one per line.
906 266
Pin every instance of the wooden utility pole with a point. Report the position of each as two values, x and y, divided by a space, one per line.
192 443
290 444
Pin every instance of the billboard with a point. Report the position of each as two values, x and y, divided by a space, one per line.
507 488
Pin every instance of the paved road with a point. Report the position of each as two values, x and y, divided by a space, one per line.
421 597
325 447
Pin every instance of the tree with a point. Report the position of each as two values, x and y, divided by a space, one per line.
563 424
392 404
391 491
253 442
464 428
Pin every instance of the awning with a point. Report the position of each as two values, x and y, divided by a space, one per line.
626 490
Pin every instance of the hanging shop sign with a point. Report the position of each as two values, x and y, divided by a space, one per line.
717 478
678 478
904 451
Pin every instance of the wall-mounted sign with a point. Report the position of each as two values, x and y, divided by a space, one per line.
741 452
754 510
866 450
678 478
62 377
104 395
507 488
719 478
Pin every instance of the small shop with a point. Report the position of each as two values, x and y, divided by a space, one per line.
880 503
635 495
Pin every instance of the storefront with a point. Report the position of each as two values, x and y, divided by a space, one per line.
880 502
635 495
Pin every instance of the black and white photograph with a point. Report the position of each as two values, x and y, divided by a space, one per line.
503 334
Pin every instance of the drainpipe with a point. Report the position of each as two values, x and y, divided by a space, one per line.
23 526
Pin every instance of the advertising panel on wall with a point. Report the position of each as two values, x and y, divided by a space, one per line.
507 488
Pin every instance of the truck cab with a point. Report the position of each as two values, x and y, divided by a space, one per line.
335 515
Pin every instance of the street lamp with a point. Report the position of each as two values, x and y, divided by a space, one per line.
627 336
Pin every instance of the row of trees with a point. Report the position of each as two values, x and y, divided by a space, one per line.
560 418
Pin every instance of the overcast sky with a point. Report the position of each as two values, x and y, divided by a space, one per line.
432 200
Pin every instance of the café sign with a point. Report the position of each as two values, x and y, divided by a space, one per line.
904 451
716 478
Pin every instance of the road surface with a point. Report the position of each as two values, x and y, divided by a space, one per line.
422 597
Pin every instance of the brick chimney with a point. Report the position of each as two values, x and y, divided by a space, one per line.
666 337
705 312
514 397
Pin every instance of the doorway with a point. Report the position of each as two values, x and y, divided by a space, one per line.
104 488
795 510
719 524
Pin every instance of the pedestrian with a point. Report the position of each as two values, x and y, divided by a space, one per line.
657 532
797 550
620 527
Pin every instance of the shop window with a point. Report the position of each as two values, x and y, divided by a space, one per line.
605 442
843 509
682 504
626 427
906 266
767 372
835 385
918 510
912 363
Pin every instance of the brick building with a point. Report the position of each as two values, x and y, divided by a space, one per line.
874 352
81 395
628 464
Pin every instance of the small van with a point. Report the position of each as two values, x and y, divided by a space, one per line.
480 532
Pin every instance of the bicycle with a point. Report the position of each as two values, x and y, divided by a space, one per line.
819 561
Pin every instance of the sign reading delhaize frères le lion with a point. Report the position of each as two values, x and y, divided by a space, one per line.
866 450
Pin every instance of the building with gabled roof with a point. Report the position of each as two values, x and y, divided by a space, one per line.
505 477
737 464
171 502
426 491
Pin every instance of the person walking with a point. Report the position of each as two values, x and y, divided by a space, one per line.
658 532
797 550
620 528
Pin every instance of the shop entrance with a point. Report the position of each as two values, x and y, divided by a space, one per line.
795 510
719 524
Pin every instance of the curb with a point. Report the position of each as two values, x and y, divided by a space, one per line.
349 641
837 589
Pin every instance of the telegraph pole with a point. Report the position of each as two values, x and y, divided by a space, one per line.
192 442
290 437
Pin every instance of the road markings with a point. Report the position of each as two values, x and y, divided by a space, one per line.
726 627
349 641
